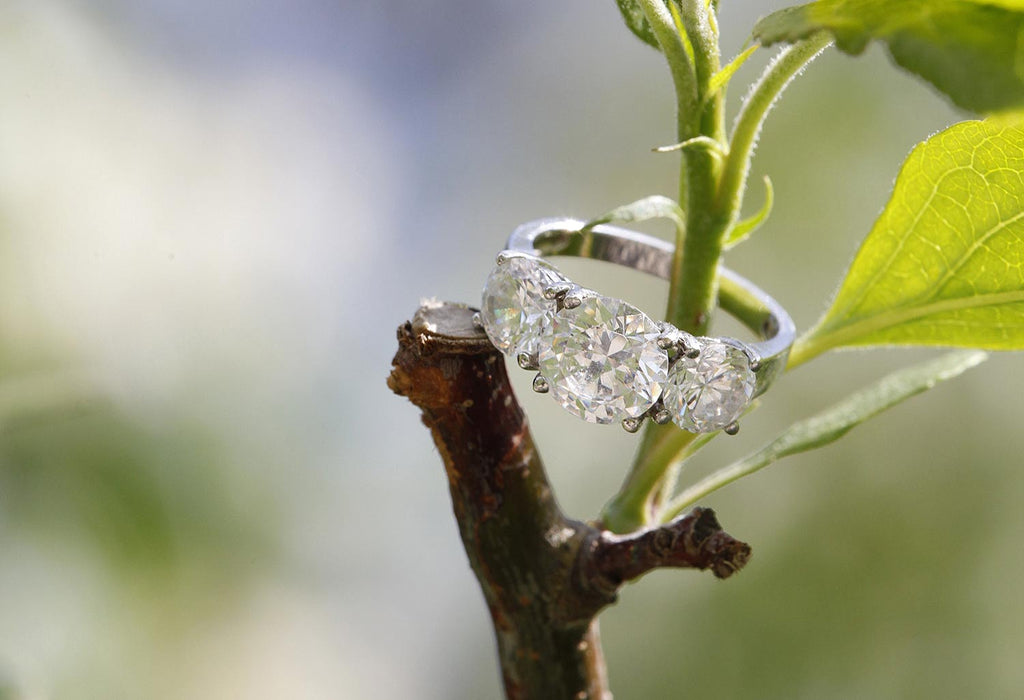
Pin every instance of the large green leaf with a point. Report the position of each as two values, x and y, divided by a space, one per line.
835 422
633 14
944 263
973 51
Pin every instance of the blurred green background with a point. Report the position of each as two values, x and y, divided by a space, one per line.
212 218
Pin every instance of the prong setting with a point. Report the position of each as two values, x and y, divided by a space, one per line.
732 428
753 357
556 291
674 339
527 361
631 425
708 393
670 337
540 384
571 299
689 346
504 256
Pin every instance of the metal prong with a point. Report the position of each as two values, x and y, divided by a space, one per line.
732 428
669 337
556 290
752 355
631 425
689 345
662 417
503 257
572 299
540 384
478 322
527 361
755 359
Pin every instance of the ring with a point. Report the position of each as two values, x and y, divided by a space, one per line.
603 359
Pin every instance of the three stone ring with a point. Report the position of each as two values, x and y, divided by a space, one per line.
602 358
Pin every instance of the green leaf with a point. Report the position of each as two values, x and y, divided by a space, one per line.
633 14
742 230
682 36
722 77
708 144
972 51
944 263
653 207
834 422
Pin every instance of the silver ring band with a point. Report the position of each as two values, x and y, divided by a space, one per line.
602 358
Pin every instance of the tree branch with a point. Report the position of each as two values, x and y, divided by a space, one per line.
694 541
545 576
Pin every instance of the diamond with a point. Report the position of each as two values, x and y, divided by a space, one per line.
709 392
514 309
602 360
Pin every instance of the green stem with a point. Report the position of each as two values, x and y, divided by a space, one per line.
692 285
752 115
702 31
711 192
630 509
635 505
690 44
677 53
694 265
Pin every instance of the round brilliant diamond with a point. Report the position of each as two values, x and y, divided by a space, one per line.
513 309
601 360
709 392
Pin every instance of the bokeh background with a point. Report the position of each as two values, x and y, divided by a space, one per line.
212 218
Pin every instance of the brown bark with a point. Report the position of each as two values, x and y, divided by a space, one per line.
544 576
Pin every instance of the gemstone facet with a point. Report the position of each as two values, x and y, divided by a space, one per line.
711 391
514 310
602 360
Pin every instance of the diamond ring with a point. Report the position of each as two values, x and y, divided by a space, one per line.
602 358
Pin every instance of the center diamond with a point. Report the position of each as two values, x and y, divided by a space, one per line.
708 393
602 360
